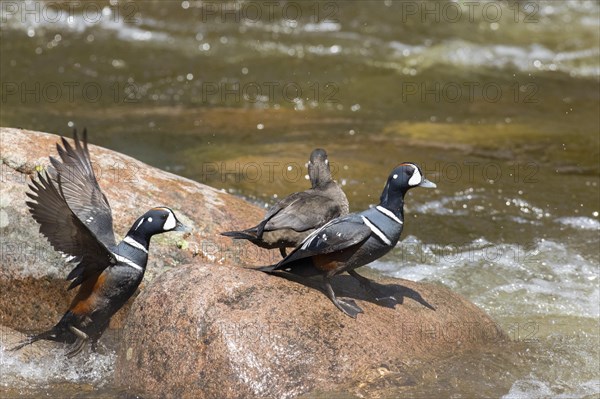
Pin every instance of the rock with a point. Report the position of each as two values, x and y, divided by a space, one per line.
33 292
204 331
204 325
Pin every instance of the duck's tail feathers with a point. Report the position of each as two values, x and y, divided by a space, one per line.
239 235
48 335
267 269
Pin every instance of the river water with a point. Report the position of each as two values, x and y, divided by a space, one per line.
497 101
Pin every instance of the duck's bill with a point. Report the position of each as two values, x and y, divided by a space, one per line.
181 227
427 184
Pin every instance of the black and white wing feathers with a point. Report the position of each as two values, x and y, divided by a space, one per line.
78 186
337 235
66 232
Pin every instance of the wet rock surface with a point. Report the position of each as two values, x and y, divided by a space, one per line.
205 330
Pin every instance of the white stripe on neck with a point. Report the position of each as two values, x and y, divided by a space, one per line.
128 262
134 243
389 214
377 232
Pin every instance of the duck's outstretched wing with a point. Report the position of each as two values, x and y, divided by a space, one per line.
78 186
65 229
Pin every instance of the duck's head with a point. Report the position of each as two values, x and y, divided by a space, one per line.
156 221
318 168
404 177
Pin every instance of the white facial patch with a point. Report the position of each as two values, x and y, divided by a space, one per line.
416 178
327 162
395 177
170 223
150 220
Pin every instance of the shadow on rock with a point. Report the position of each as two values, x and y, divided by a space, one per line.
389 295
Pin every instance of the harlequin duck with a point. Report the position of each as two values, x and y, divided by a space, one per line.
290 220
352 241
75 217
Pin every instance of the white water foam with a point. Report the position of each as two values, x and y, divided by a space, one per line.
55 367
532 388
554 277
531 58
580 222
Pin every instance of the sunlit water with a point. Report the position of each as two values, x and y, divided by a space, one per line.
501 110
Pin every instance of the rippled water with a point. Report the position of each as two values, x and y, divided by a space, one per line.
499 103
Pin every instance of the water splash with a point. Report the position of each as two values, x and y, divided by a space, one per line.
55 368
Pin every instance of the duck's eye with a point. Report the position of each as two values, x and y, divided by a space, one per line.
164 217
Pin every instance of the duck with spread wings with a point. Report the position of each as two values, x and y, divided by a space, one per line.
75 216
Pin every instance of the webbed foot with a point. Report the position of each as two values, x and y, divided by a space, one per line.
348 306
77 346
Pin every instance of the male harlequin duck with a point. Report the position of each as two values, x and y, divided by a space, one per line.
74 215
351 241
289 221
